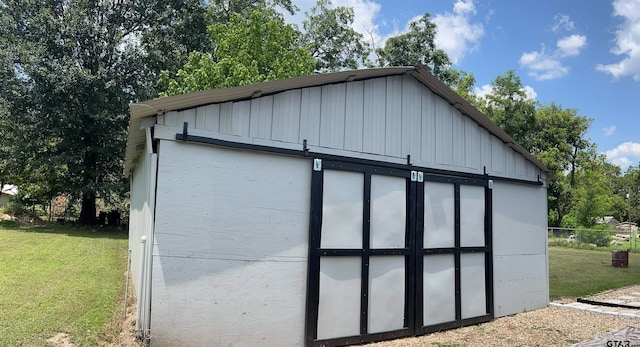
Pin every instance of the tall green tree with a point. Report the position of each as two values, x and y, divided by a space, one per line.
416 47
246 50
509 107
330 38
559 139
221 11
70 69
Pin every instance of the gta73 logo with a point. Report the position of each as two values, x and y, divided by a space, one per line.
622 343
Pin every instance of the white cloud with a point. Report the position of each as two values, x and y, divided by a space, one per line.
627 41
530 92
486 89
456 34
547 66
364 14
625 154
543 66
610 130
562 22
483 90
571 45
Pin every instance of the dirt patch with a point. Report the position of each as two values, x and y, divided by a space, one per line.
122 329
61 340
550 326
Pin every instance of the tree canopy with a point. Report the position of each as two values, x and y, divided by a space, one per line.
69 69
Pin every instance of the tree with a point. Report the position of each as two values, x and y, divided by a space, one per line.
593 191
223 11
259 48
416 47
509 107
559 139
330 38
71 67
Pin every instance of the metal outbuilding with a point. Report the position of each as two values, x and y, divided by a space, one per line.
328 210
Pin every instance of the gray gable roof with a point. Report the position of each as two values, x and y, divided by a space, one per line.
136 136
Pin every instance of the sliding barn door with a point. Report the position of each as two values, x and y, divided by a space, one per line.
391 255
454 267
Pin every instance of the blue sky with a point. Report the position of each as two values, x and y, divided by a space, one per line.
583 55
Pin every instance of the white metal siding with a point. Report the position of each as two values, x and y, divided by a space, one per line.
230 255
520 269
391 117
142 210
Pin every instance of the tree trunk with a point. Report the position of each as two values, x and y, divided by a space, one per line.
88 210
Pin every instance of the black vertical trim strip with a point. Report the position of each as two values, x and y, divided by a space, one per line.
488 237
458 279
410 260
366 242
313 268
418 257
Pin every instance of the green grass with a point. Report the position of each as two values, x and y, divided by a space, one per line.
59 280
577 272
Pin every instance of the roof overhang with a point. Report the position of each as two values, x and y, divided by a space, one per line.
151 108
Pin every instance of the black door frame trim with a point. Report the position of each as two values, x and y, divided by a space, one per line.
413 253
185 137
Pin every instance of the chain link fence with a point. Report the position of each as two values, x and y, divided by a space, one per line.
595 238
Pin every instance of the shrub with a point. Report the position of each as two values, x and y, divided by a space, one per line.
600 238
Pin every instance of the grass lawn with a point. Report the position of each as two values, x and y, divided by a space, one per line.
577 272
59 279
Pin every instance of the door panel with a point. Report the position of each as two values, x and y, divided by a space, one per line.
388 211
386 293
472 288
342 204
439 288
471 216
339 304
439 215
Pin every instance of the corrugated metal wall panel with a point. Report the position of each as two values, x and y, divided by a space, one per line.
286 116
212 118
428 142
498 156
240 118
393 128
332 116
261 117
412 118
353 125
473 146
171 119
392 116
201 117
459 139
375 114
189 116
444 130
226 117
485 143
310 115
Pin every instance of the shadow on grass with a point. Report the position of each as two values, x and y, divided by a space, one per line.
67 229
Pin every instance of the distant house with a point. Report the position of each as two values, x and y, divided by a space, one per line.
8 191
608 220
627 227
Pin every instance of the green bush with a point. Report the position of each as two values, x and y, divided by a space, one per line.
15 209
600 238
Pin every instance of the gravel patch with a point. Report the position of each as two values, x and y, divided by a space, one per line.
550 326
